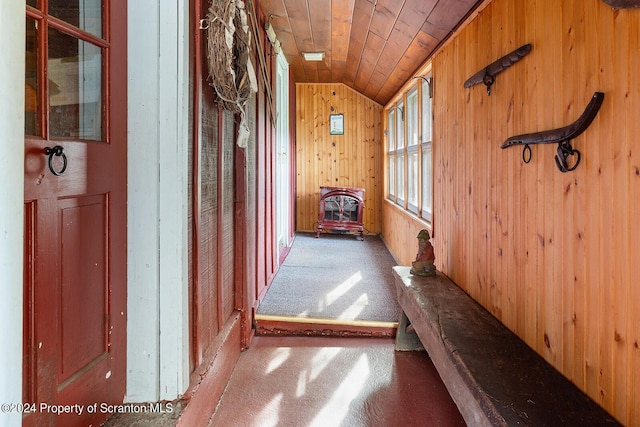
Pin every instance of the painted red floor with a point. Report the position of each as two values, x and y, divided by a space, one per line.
348 382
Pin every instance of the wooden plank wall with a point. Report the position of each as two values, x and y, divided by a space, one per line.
554 256
263 219
350 160
212 285
399 231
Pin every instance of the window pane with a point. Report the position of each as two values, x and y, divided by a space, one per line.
31 119
400 177
427 182
412 117
33 3
427 115
412 182
392 175
75 88
400 125
84 14
392 129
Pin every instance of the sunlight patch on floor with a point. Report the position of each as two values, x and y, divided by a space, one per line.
280 355
354 310
338 406
301 387
269 416
343 288
321 360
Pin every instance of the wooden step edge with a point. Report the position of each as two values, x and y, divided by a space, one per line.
311 326
321 321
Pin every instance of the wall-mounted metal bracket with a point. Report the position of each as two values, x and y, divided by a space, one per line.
399 109
429 81
622 4
488 74
562 136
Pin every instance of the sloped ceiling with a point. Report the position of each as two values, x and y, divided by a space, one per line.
372 46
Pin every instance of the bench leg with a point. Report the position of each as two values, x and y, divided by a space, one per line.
406 337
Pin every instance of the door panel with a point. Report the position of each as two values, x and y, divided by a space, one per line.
84 286
75 223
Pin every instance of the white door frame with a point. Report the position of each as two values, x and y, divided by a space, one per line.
12 66
157 246
282 153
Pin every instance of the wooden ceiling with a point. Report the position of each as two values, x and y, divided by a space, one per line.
372 46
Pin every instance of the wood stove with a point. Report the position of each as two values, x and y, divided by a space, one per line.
341 210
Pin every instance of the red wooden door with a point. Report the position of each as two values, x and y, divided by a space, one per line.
75 223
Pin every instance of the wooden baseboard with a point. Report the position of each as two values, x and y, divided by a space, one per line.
210 381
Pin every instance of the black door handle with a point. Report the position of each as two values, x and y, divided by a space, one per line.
56 151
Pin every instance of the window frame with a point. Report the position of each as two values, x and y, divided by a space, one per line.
45 21
409 152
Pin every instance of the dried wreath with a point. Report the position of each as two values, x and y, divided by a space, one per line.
231 72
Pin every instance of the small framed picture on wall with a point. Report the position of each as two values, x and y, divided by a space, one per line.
337 124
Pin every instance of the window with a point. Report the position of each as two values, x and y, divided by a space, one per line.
400 153
409 152
427 136
391 135
69 72
412 150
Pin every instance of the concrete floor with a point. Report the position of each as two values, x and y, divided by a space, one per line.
350 382
325 382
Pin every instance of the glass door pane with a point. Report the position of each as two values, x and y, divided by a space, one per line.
31 101
75 87
84 14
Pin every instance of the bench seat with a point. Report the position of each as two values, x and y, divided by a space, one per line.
492 375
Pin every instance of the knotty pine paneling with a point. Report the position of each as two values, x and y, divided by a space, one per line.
399 232
350 160
554 256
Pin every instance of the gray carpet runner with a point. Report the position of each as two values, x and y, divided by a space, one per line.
334 277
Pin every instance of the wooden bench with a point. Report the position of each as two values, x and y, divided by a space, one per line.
492 375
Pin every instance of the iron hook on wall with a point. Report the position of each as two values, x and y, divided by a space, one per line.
57 151
562 136
488 74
